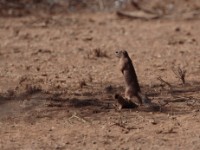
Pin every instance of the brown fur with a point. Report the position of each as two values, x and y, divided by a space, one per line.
132 87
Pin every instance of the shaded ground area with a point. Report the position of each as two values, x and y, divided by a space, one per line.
58 77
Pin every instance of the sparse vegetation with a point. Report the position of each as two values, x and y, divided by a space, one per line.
59 75
96 53
180 73
32 89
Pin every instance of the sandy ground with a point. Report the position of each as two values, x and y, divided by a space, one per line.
58 76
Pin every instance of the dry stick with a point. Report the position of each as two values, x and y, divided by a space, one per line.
119 124
165 82
177 99
138 7
161 105
143 119
77 117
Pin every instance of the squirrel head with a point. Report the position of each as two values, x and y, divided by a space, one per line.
121 53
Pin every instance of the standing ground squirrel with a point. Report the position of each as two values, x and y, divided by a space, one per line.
132 87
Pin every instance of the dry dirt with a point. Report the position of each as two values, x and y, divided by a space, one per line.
58 77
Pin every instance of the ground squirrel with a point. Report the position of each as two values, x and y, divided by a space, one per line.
132 87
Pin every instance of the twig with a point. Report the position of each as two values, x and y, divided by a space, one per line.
182 99
77 117
165 82
177 99
119 124
164 104
143 119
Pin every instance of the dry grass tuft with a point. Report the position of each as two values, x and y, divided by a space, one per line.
97 52
180 73
32 89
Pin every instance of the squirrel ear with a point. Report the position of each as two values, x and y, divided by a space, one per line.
125 52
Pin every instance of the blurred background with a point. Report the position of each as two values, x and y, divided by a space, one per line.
19 8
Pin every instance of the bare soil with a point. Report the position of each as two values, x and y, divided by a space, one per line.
59 75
